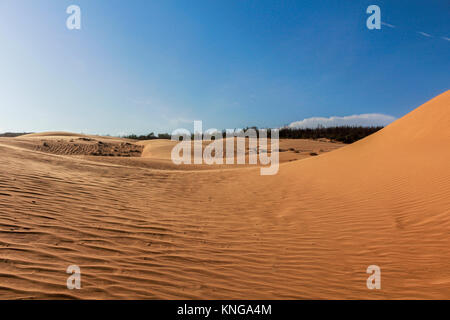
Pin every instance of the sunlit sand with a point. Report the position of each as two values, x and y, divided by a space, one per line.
141 227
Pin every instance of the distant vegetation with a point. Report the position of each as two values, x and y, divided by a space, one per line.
150 136
342 134
12 134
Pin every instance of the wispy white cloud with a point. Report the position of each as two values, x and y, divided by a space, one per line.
387 24
422 33
144 102
425 34
177 121
365 120
163 112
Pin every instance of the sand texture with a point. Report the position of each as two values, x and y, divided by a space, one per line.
141 227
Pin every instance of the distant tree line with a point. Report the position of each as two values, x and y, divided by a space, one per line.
150 136
12 134
345 134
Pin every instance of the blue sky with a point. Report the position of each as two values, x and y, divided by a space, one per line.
141 66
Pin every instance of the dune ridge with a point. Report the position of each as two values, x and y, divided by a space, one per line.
309 232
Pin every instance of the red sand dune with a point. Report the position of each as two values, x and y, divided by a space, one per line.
308 232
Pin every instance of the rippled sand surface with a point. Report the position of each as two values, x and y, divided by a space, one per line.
142 229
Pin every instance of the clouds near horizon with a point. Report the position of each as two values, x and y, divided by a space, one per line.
364 120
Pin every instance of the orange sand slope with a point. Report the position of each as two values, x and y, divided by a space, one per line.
310 231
